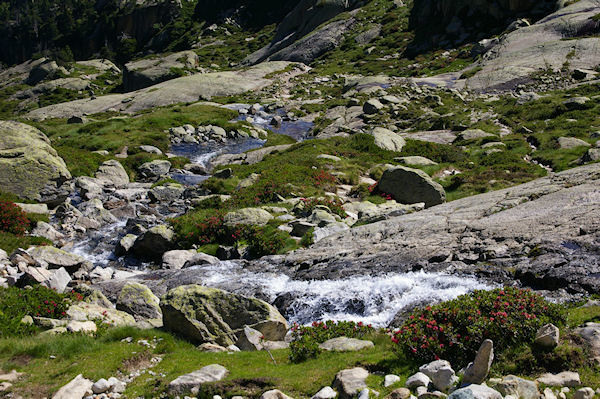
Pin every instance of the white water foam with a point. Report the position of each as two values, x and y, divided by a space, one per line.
374 300
95 248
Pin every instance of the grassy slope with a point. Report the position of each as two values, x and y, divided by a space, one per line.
251 373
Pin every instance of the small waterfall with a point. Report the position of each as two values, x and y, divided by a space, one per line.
370 299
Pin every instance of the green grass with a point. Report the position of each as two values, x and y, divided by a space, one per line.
50 362
75 143
10 242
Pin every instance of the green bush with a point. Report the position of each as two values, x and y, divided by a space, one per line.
454 330
306 339
15 303
205 227
12 219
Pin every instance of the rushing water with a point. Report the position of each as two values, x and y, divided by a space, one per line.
371 299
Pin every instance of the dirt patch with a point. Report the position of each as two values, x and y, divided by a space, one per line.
138 361
21 360
243 387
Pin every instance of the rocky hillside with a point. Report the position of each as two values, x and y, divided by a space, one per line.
299 199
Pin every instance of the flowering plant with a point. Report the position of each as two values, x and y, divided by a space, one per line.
13 219
455 329
334 204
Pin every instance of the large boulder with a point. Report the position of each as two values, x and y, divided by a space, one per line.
90 311
180 258
54 258
411 186
248 216
441 374
155 169
150 71
521 388
301 22
77 388
446 21
388 140
29 166
137 300
154 242
203 314
112 173
477 372
345 344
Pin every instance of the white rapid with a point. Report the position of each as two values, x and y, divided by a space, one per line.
374 300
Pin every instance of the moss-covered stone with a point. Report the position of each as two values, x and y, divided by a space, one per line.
203 314
28 163
137 300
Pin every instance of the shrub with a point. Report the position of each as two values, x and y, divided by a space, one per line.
207 227
334 205
15 303
454 330
12 219
306 339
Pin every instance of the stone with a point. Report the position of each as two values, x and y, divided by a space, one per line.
563 379
328 157
85 327
411 186
76 389
350 382
181 90
29 166
248 181
592 155
112 173
477 372
473 134
325 393
179 259
154 170
415 161
576 103
211 348
250 340
248 216
345 344
274 394
584 393
186 383
169 193
100 386
46 69
418 380
58 280
321 217
567 143
441 374
547 336
154 242
203 314
13 376
549 394
388 140
390 380
475 391
27 320
400 393
590 333
43 229
223 173
125 244
150 71
521 388
33 208
300 228
372 106
150 149
90 311
139 301
331 229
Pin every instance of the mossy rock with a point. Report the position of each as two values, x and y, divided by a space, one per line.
202 314
28 163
